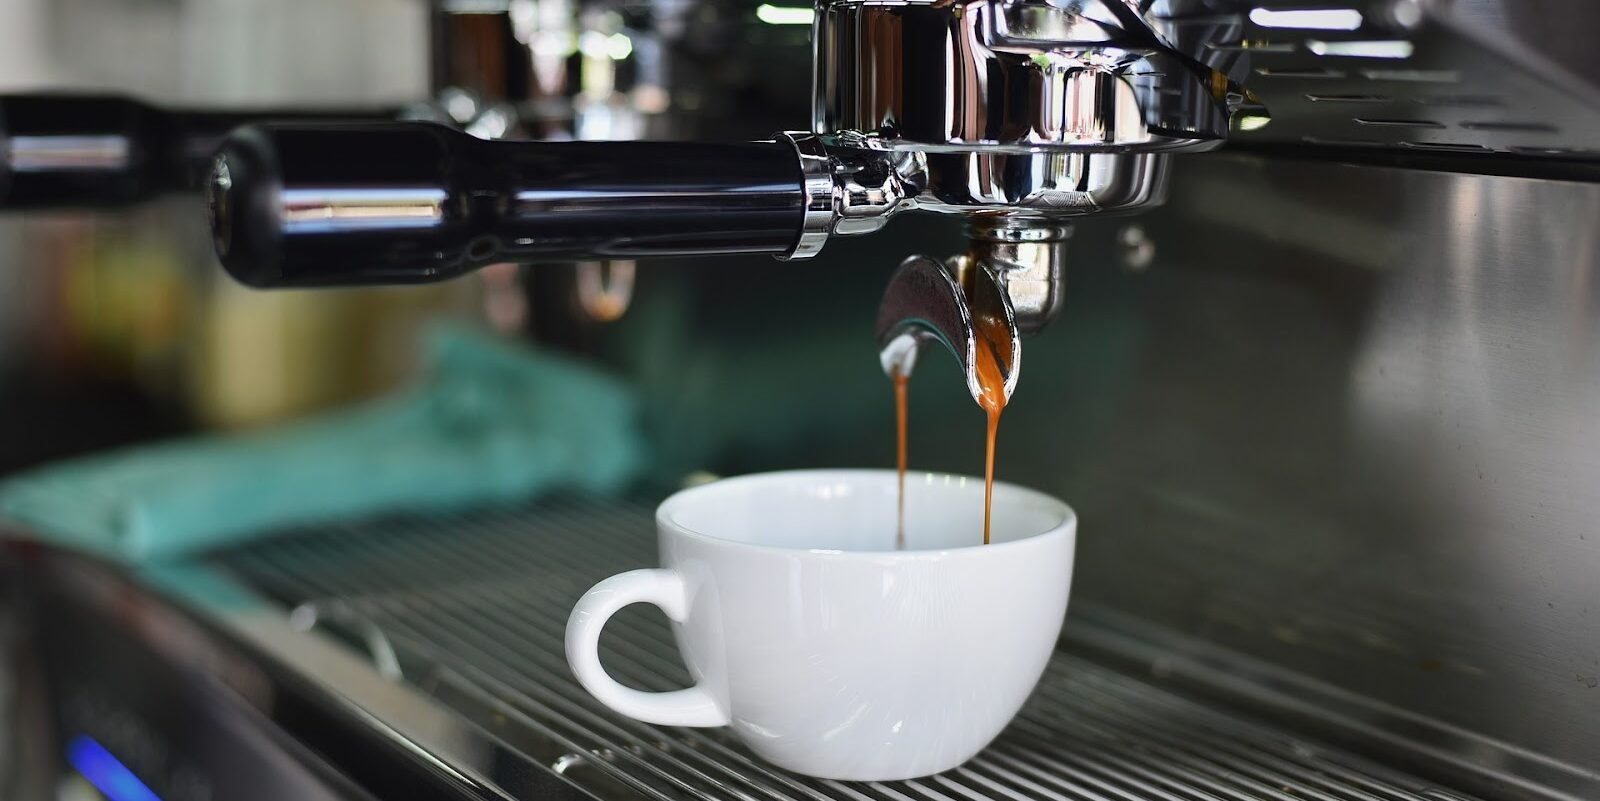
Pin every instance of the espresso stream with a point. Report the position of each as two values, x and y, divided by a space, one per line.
992 382
900 382
993 351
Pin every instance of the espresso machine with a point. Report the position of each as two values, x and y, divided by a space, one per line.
1308 296
1018 119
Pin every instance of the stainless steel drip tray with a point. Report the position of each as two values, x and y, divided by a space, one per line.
471 610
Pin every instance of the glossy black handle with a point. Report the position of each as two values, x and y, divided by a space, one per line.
100 150
306 205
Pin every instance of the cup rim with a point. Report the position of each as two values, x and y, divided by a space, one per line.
1066 525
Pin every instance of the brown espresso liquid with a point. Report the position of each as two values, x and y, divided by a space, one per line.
992 397
992 381
992 363
901 381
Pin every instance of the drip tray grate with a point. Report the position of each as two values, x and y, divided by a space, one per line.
472 609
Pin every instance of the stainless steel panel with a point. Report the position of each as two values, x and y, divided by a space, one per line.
1471 76
1356 435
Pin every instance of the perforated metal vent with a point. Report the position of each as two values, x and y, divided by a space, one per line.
1471 76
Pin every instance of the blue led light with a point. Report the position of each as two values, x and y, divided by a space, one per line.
106 772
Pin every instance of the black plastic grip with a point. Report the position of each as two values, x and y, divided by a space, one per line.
308 205
106 150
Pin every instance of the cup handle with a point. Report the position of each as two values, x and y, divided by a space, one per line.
694 706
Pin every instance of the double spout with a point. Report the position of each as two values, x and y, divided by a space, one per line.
965 313
1006 285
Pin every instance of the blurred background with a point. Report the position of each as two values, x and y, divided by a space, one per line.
117 325
1327 415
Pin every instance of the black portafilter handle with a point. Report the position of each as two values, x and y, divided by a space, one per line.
398 203
86 150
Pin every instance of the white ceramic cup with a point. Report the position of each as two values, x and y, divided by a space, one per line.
827 651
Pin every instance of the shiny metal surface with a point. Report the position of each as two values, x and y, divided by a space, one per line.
818 185
1478 76
872 186
475 606
1472 76
1007 75
1028 260
854 188
1045 185
1008 283
1015 204
960 308
1008 108
1371 408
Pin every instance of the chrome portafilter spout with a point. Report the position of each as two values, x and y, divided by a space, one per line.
962 311
1007 284
1027 258
1074 111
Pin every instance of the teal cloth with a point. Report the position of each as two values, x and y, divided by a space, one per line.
491 422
